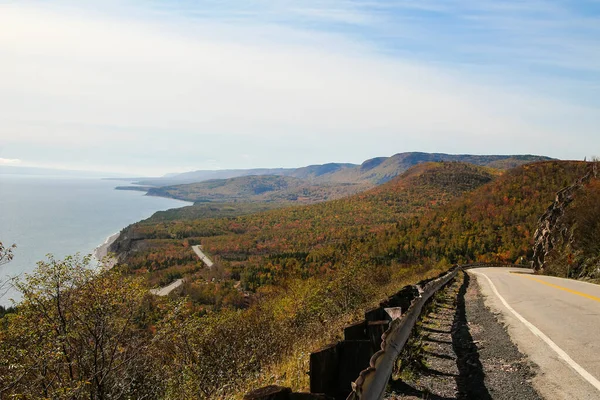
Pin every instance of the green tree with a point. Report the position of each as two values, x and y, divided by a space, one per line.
78 333
6 253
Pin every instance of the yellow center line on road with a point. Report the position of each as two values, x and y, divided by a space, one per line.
560 352
587 296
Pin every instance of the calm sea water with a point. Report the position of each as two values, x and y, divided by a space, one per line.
63 216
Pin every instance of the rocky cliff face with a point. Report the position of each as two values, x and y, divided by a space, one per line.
128 241
551 228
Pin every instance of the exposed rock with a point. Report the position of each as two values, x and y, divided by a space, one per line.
550 227
129 240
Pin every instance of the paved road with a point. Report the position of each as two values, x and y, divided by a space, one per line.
164 291
555 322
202 256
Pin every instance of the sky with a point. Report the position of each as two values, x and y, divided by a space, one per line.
153 87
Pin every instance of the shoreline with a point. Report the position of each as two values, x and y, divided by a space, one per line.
101 251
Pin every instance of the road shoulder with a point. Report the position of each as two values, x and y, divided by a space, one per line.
467 353
508 373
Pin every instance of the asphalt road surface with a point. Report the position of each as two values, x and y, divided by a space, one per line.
202 256
167 289
555 322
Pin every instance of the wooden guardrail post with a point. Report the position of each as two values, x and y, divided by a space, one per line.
364 352
282 393
356 331
334 368
323 370
354 357
376 329
372 381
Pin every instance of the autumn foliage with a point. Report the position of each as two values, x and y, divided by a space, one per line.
270 247
285 281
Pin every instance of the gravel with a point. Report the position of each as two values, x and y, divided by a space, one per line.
466 353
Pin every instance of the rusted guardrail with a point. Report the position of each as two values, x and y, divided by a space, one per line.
371 382
371 347
493 264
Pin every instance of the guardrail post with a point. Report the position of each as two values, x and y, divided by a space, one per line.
375 329
375 314
282 393
354 356
323 370
269 393
334 368
357 331
404 297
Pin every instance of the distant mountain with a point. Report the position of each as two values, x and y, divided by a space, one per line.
382 169
205 175
257 188
309 172
374 171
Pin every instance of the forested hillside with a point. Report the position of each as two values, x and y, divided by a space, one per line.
309 271
298 241
261 188
571 245
495 222
373 171
284 283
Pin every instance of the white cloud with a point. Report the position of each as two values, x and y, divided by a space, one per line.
9 161
87 84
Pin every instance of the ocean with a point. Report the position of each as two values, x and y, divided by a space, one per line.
63 216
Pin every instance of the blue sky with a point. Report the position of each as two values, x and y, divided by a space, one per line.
151 87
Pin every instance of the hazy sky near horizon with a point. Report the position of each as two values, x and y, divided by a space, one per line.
150 87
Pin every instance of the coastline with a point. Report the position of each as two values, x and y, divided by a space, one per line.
101 251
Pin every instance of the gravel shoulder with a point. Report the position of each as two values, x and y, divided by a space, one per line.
461 351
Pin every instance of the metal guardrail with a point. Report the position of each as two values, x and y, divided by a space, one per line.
371 383
492 264
375 341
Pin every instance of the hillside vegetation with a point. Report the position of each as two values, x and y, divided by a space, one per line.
262 188
103 336
296 241
284 283
574 239
495 222
374 171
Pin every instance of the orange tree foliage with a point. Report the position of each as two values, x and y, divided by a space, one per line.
495 222
270 247
421 215
327 262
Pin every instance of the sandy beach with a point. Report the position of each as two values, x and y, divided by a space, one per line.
102 251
